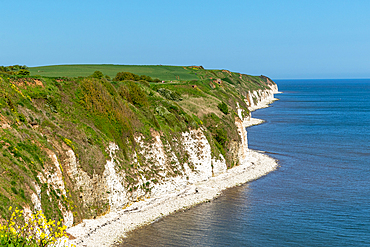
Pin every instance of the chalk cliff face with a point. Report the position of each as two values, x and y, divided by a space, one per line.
111 188
260 98
82 147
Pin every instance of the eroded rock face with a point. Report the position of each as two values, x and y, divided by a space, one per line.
199 151
88 186
218 166
117 193
157 164
52 176
200 165
261 98
243 145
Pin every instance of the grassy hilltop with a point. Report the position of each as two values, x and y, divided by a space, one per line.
69 106
167 73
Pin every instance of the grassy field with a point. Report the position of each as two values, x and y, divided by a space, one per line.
155 71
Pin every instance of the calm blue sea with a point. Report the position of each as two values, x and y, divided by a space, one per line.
319 131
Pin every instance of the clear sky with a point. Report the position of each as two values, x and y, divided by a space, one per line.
276 38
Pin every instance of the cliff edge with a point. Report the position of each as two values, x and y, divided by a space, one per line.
85 148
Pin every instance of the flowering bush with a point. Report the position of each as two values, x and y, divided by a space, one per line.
36 231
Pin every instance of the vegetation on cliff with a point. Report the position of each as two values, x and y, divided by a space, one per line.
43 116
34 231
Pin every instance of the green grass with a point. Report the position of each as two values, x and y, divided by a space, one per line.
154 71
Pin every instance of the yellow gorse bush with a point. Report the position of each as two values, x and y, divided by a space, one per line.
34 231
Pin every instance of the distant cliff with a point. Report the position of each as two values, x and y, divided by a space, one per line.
78 147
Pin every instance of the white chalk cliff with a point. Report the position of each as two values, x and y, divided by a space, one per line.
200 166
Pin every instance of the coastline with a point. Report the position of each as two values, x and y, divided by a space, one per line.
108 229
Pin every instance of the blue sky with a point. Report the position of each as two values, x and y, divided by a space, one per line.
279 39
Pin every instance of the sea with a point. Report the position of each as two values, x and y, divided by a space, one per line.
319 131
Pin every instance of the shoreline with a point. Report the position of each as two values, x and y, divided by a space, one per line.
109 229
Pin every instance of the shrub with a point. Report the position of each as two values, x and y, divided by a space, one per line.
122 76
133 94
223 108
97 74
220 148
22 118
15 70
125 93
162 111
3 69
168 94
51 103
23 72
10 103
221 136
146 78
227 79
35 231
